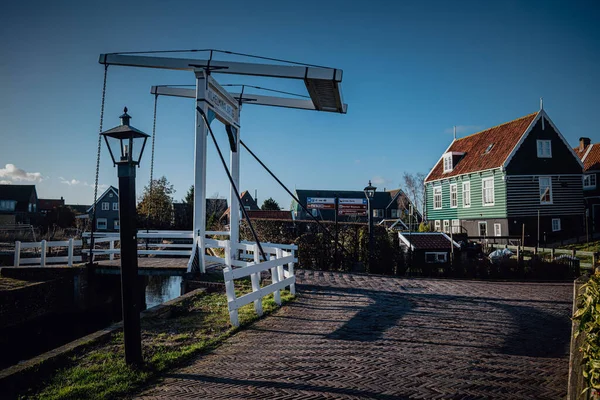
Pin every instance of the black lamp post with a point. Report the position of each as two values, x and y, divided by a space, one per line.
370 194
126 145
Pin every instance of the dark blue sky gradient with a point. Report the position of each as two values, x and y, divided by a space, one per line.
412 70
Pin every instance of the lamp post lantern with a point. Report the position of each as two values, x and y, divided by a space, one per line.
126 146
370 194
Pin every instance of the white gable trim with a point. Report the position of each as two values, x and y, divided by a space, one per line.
563 139
540 114
438 161
522 139
110 189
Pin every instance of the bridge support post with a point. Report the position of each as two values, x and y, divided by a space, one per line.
234 201
200 170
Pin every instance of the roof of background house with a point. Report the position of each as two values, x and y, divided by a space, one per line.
49 204
381 201
110 188
16 192
427 240
270 214
504 138
590 156
78 209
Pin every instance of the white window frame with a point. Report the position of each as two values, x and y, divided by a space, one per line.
104 221
115 206
437 224
446 226
448 167
479 223
394 213
589 181
455 226
549 180
453 195
483 189
440 257
544 148
466 198
436 189
497 229
556 227
117 224
105 206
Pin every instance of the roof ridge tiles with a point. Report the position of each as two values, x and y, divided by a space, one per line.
498 126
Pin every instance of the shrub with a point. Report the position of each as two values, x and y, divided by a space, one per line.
588 315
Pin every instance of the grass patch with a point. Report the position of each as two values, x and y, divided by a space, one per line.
199 324
10 283
590 246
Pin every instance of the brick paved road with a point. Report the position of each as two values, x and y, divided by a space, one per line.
357 336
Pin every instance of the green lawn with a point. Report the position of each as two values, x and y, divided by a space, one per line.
591 246
198 325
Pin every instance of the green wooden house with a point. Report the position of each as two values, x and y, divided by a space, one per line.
494 182
589 153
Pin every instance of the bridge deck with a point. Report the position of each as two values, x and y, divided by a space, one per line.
147 266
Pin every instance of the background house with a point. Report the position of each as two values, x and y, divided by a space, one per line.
427 248
390 204
18 204
47 205
107 211
493 182
590 156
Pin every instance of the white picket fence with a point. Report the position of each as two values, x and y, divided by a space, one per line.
44 245
280 256
280 263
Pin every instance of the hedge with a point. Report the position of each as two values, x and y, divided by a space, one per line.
316 249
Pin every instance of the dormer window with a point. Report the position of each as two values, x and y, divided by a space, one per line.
450 159
448 162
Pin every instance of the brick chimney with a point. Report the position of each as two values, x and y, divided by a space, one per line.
583 143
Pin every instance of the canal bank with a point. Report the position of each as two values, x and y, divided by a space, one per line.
44 308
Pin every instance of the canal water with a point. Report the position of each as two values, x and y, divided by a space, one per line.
161 289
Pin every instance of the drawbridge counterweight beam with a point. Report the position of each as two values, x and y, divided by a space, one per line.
323 84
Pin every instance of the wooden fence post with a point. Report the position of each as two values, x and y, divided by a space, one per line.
275 279
291 270
43 249
70 253
111 256
17 253
255 278
230 288
279 254
552 253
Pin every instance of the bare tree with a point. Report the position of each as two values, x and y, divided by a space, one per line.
413 185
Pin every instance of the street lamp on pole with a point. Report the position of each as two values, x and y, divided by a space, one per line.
126 146
370 194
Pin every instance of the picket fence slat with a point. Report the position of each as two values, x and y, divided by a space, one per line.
259 294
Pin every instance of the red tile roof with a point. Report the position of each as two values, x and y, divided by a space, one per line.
428 241
269 214
592 158
504 138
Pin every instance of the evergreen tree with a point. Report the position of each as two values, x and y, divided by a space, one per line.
156 206
270 204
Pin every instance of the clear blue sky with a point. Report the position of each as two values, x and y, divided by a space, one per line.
412 70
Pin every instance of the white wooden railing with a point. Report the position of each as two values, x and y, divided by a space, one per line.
44 245
280 263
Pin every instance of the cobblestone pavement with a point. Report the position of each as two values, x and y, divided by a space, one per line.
357 336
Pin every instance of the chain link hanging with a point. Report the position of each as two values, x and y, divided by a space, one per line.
92 228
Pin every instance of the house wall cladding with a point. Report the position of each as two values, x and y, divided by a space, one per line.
523 196
477 210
